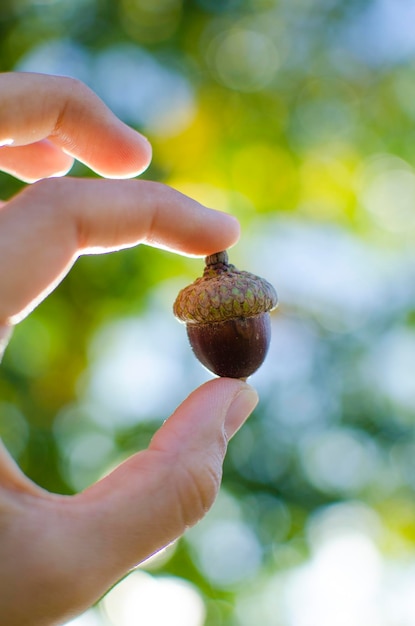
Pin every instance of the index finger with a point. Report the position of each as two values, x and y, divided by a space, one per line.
38 106
48 225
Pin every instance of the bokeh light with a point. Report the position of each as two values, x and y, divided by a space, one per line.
225 548
150 22
244 60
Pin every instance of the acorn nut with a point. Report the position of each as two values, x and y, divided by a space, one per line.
226 312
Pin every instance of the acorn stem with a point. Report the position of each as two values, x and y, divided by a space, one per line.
219 258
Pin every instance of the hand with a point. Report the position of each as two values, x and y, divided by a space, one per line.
59 554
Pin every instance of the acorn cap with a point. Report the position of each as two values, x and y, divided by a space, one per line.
224 293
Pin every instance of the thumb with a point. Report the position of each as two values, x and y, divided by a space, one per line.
152 498
66 552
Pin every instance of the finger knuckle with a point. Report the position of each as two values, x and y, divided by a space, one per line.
74 86
198 489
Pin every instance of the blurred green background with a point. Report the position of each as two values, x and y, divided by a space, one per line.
297 116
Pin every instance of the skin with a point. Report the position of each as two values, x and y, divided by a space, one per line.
59 554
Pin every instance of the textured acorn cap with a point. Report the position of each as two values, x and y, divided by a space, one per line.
224 293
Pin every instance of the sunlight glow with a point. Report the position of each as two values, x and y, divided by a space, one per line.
339 586
90 618
144 599
346 580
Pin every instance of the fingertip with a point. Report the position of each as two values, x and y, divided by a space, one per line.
240 409
120 153
233 229
233 399
146 147
131 157
209 230
225 233
199 419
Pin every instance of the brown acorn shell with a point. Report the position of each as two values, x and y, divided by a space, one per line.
234 348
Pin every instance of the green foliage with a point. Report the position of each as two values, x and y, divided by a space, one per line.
282 113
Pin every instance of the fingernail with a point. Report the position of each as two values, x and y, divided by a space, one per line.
241 408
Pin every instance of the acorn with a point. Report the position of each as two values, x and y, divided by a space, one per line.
226 312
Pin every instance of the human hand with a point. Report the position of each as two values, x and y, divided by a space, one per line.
59 554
